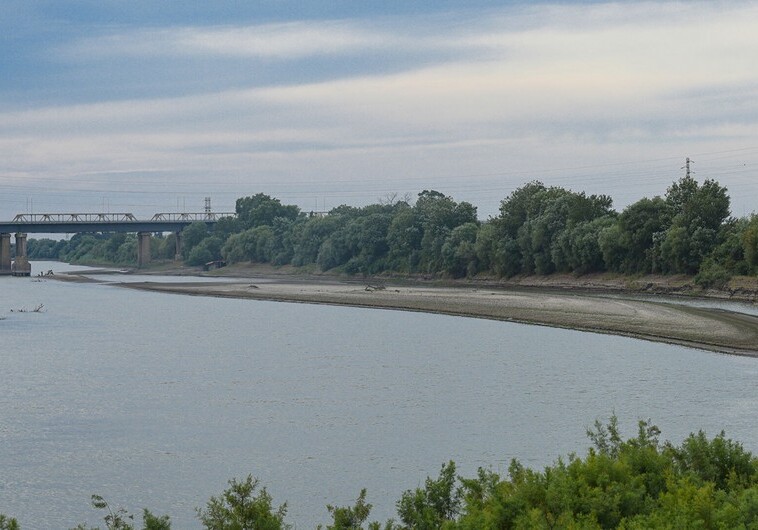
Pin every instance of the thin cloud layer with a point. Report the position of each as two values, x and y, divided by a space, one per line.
476 95
294 40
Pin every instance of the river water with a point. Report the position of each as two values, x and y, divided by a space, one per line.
156 400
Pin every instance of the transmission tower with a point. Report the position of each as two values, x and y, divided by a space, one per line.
686 167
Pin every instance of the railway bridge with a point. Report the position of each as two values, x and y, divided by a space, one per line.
73 223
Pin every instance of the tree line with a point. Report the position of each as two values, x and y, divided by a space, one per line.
638 483
539 230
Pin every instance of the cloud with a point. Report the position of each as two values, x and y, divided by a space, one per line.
514 91
282 41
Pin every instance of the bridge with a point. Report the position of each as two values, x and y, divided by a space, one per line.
71 223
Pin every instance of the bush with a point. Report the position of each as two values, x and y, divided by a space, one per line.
712 275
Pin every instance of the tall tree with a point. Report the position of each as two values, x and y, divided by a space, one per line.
260 209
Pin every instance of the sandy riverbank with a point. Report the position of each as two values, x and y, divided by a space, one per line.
710 329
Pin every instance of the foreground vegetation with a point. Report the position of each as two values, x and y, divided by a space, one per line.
637 483
539 230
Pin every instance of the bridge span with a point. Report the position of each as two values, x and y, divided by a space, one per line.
73 223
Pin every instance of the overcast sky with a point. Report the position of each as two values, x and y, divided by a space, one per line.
145 106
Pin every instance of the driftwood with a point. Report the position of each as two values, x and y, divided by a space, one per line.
38 309
370 287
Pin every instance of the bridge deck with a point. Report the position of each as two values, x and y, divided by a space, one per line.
70 223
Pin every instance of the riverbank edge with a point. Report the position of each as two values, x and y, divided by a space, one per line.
739 288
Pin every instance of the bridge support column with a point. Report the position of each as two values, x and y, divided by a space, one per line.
5 254
143 249
178 252
21 266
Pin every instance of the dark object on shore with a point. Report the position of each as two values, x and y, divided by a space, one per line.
214 265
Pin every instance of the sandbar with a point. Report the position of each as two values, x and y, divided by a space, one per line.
711 329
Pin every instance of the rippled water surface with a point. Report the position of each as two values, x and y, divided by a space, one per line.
156 400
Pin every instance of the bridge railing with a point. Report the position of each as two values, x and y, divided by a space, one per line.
74 218
42 218
204 216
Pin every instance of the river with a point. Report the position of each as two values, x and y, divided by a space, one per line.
156 400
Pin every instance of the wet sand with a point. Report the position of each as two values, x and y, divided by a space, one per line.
710 329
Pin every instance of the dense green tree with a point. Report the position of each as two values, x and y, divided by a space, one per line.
260 209
191 236
539 230
404 240
226 226
577 248
628 246
749 239
434 505
635 483
312 236
730 253
698 213
166 248
209 249
437 215
485 246
459 256
240 507
127 251
8 523
255 244
532 222
46 249
349 517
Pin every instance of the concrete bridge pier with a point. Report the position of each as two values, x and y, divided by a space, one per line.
143 249
21 266
178 252
5 254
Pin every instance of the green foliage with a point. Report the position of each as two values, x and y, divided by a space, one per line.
191 236
209 249
314 233
544 230
8 523
627 246
539 230
437 503
239 507
459 257
749 239
154 522
435 217
350 517
260 209
712 275
730 253
404 240
635 483
38 249
720 461
120 519
698 213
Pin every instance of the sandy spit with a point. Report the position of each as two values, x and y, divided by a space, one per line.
710 329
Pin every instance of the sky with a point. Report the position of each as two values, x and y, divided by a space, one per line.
144 107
